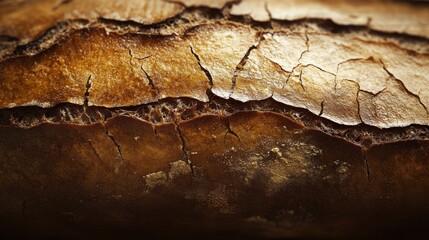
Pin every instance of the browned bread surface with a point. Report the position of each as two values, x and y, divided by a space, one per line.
273 119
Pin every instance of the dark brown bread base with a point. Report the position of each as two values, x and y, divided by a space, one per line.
253 173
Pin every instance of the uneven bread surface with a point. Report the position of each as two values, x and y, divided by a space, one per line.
341 78
383 15
248 171
257 118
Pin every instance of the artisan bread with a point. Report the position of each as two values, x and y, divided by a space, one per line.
193 119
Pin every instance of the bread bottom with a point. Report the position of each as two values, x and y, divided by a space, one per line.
252 173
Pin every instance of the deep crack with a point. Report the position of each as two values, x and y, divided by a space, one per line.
150 81
184 150
358 106
155 133
86 95
403 85
299 63
307 44
241 64
95 151
112 138
300 79
321 108
230 131
206 72
368 172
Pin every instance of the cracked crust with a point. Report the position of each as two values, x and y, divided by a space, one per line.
46 13
387 16
322 73
277 119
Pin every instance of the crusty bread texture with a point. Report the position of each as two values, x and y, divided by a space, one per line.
193 119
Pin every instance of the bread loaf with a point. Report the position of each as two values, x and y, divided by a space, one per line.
207 119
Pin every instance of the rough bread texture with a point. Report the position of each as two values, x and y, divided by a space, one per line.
266 119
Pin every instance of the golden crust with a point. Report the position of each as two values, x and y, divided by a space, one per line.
46 13
339 78
384 16
102 70
221 48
